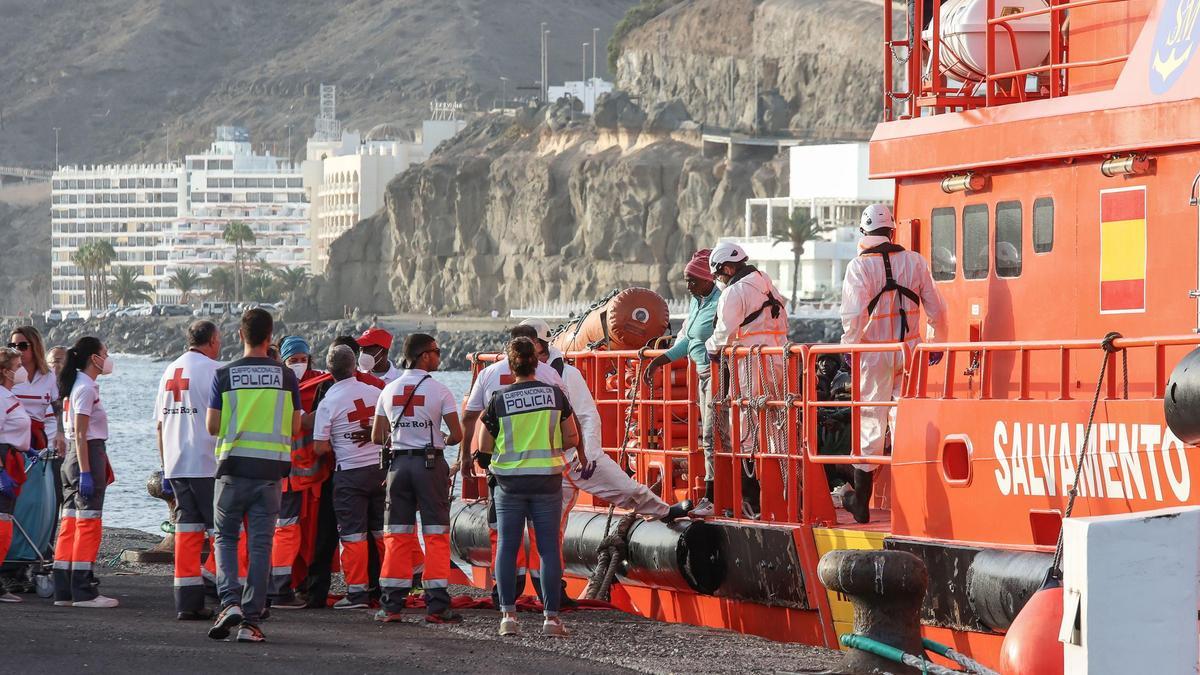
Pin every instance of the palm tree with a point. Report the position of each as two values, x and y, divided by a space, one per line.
186 281
84 258
128 288
220 282
239 234
105 256
290 278
260 287
799 228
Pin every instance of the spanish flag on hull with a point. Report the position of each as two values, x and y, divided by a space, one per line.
1123 250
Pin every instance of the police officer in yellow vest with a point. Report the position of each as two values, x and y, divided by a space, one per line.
254 413
530 425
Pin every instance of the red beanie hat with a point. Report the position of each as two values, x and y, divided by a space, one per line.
698 266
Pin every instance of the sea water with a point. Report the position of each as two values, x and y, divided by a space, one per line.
128 396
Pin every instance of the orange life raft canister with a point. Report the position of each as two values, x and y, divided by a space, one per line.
629 320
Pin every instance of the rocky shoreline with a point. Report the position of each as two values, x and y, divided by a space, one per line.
163 337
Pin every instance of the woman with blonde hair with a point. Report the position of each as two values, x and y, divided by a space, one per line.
14 443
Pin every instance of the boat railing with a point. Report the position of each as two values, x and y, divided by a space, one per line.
933 80
772 417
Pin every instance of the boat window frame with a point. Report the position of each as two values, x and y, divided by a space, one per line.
1033 224
1020 239
933 242
986 253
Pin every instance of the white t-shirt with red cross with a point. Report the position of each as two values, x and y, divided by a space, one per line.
181 406
85 400
499 375
14 422
37 394
421 424
344 419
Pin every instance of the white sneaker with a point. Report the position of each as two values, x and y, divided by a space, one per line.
9 597
98 602
703 510
839 495
63 603
509 626
345 603
553 626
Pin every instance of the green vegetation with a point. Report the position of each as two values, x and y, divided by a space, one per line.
635 18
127 287
798 229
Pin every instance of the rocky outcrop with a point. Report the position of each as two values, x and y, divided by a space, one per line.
527 210
810 66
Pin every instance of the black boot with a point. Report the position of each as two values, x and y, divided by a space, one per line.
858 502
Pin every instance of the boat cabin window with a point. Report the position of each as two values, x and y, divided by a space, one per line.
944 245
975 254
1043 224
1008 239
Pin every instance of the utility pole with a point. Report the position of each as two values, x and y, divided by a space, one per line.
289 144
595 42
56 130
546 71
542 64
583 64
503 92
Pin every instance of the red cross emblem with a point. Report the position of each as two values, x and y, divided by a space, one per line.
176 385
361 413
507 379
399 401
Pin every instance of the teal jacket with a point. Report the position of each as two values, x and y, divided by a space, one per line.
697 328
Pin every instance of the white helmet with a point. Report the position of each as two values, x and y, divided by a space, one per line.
542 328
876 216
725 252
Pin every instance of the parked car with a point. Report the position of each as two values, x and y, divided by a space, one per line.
212 309
53 316
72 316
171 310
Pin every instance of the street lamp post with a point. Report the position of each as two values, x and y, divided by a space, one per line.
542 37
56 130
503 92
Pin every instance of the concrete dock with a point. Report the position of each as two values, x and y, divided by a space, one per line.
143 636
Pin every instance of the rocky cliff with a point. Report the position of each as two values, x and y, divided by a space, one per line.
519 211
810 66
25 237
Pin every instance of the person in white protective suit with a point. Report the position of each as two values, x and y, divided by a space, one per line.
750 312
882 295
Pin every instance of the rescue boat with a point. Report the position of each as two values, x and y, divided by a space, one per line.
1046 158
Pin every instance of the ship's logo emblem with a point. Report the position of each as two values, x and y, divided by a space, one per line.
1174 43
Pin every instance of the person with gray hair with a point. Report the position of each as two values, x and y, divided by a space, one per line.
343 427
189 465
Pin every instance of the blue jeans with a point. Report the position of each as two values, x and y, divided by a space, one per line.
257 502
544 511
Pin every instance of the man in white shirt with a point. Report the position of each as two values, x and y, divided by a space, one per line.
186 451
343 426
409 419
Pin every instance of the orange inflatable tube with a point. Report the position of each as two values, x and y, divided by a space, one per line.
630 320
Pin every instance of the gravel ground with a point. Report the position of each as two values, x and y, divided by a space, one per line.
603 641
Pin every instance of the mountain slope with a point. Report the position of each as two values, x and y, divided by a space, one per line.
125 78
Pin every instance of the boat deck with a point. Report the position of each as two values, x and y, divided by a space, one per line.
881 521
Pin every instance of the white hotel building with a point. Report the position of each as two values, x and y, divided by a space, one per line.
161 217
129 205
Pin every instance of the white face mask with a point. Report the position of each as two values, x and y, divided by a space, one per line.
299 369
108 367
20 376
366 362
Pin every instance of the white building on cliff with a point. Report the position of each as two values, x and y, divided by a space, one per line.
830 182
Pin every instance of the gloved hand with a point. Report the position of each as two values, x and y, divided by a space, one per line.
935 358
87 487
8 486
32 454
167 490
586 471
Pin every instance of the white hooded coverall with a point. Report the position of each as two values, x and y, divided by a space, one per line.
738 301
882 374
